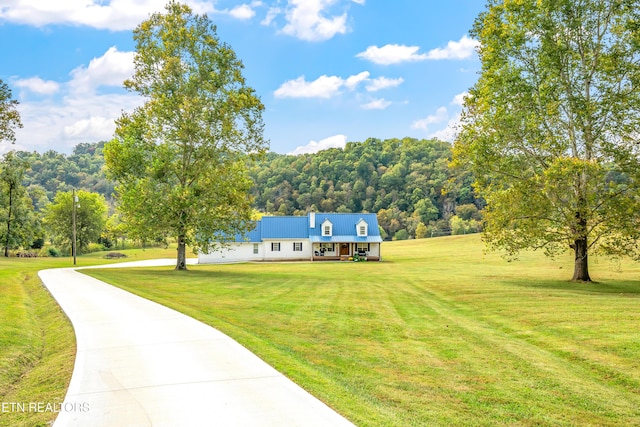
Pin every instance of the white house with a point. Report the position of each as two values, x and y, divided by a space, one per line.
316 237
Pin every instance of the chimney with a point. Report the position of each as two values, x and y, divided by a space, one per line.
312 219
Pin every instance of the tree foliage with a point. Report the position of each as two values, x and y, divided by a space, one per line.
20 225
9 116
423 189
50 172
180 159
405 181
550 130
91 217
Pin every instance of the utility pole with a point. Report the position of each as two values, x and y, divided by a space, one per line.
74 243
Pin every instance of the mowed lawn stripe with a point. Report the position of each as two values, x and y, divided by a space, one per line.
440 333
522 367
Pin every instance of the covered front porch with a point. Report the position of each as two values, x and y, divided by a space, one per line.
345 251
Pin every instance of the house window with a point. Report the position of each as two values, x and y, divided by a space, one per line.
275 247
327 228
363 247
362 227
297 246
255 248
327 247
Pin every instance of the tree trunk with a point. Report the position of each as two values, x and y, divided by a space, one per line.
581 244
182 257
581 268
6 243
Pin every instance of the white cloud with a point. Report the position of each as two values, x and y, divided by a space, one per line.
39 86
449 132
323 87
459 98
78 113
395 53
376 104
90 128
306 20
111 69
77 118
330 86
336 141
440 116
455 50
116 15
311 20
353 81
383 83
392 54
243 11
272 13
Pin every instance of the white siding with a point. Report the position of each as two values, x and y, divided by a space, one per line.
234 253
238 252
374 249
286 250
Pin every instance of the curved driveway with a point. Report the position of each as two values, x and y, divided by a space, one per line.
142 364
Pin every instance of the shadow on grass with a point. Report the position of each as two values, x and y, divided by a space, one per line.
195 274
618 287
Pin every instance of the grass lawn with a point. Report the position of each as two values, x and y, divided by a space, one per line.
437 334
37 343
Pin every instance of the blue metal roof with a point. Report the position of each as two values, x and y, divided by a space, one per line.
344 225
254 236
298 227
285 227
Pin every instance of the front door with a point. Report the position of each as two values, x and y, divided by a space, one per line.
344 249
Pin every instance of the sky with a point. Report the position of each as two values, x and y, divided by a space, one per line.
327 71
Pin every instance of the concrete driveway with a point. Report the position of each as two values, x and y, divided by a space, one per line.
142 364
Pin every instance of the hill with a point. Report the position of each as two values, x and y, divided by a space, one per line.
407 182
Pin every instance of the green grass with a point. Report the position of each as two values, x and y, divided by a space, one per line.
438 334
37 343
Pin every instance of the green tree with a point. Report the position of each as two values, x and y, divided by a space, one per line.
426 210
91 218
180 158
556 112
9 116
16 209
467 211
460 225
115 229
401 235
383 233
421 231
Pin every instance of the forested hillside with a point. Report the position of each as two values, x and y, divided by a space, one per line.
407 182
52 172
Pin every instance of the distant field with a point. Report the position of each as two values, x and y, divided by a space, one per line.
437 334
37 343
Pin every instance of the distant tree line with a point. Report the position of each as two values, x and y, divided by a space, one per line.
51 172
407 182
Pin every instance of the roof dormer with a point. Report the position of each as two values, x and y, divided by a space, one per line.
362 228
327 228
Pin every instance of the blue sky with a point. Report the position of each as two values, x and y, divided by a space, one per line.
327 71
